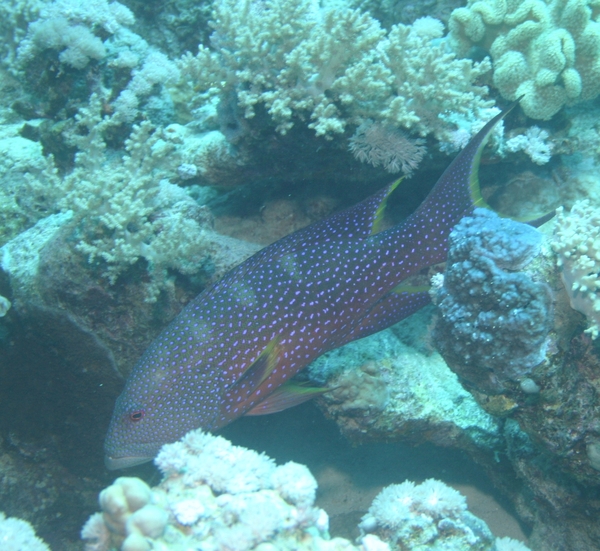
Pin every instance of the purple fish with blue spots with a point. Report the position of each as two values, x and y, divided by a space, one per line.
235 348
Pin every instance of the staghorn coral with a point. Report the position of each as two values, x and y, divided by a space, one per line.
546 50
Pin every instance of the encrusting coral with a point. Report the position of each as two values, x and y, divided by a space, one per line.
545 50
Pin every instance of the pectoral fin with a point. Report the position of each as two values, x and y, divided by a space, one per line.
255 374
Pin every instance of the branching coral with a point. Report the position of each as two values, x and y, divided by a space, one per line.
546 50
70 27
15 16
97 30
332 67
126 209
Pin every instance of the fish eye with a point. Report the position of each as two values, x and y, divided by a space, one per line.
137 415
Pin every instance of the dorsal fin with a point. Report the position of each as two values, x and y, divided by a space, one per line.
360 221
459 183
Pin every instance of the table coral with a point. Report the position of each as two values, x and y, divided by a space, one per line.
546 50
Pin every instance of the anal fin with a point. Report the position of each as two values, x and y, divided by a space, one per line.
286 396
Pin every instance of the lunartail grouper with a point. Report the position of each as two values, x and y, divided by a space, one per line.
235 348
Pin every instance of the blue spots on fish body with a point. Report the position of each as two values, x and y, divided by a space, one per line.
235 348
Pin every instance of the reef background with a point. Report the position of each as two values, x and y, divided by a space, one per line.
147 147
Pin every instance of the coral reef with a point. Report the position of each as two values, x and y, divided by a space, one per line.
67 26
430 515
215 496
108 130
18 535
334 67
577 244
550 403
384 389
534 143
545 50
20 160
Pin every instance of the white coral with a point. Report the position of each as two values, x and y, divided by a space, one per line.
295 483
125 209
393 505
534 143
205 459
398 503
509 544
217 496
437 499
577 245
332 67
18 535
69 26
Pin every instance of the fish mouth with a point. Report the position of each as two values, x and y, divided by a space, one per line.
113 463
